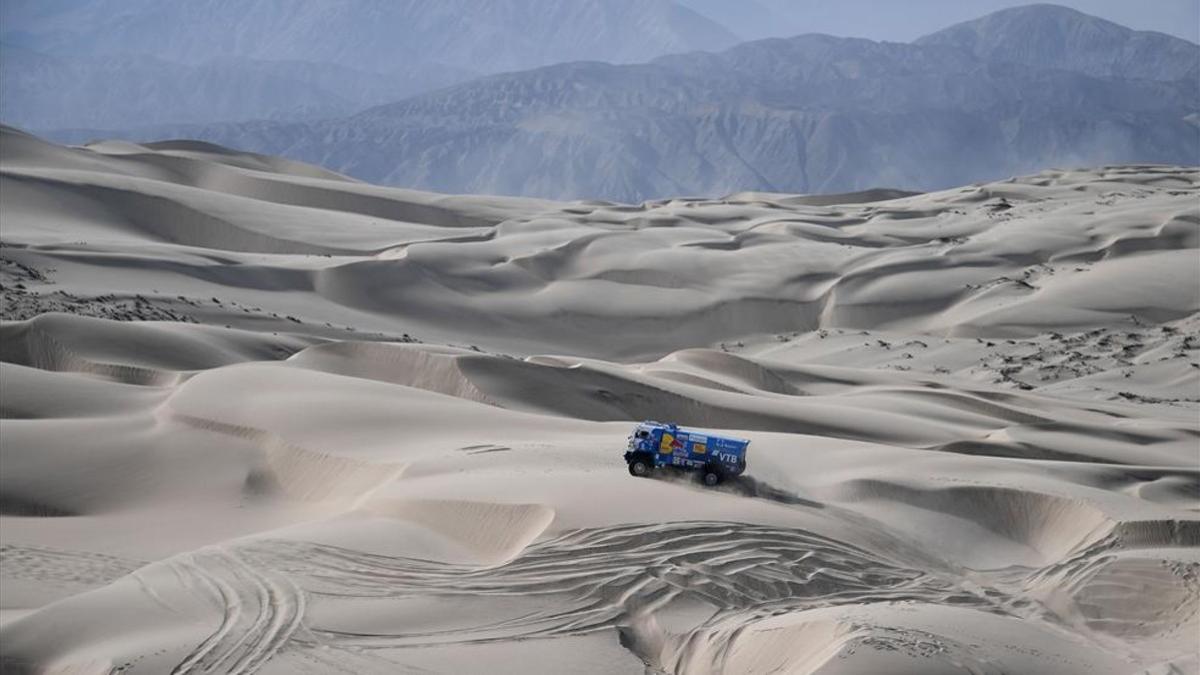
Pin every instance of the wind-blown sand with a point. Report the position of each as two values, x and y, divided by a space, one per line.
260 417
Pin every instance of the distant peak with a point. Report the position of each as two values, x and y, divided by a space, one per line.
1046 8
1023 15
1054 36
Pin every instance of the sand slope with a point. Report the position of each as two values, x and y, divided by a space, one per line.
260 418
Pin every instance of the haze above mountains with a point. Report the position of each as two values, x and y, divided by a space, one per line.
170 62
496 99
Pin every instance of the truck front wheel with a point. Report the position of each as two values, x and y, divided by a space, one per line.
639 467
711 477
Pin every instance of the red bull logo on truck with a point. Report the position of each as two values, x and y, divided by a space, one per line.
670 444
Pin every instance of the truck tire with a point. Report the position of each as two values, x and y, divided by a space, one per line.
711 477
639 467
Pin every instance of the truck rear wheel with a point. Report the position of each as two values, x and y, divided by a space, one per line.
639 467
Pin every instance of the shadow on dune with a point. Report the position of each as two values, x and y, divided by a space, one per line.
749 486
741 486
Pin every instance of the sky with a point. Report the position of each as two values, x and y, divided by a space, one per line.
906 20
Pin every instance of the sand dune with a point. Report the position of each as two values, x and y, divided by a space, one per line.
260 418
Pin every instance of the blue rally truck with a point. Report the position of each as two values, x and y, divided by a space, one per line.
654 445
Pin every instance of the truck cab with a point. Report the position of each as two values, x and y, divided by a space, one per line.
654 446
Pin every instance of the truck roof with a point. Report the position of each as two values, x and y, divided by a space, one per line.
692 430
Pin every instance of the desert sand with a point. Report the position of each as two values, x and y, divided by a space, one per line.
258 417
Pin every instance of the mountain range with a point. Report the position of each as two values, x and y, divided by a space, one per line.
121 90
1015 91
123 63
369 35
1050 36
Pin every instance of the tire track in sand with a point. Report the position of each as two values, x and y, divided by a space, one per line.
598 578
260 613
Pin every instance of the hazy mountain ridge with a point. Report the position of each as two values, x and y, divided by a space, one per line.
42 91
813 113
486 36
1052 36
126 63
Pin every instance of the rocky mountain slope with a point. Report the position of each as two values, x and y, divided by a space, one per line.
118 90
812 113
122 63
483 36
1052 36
